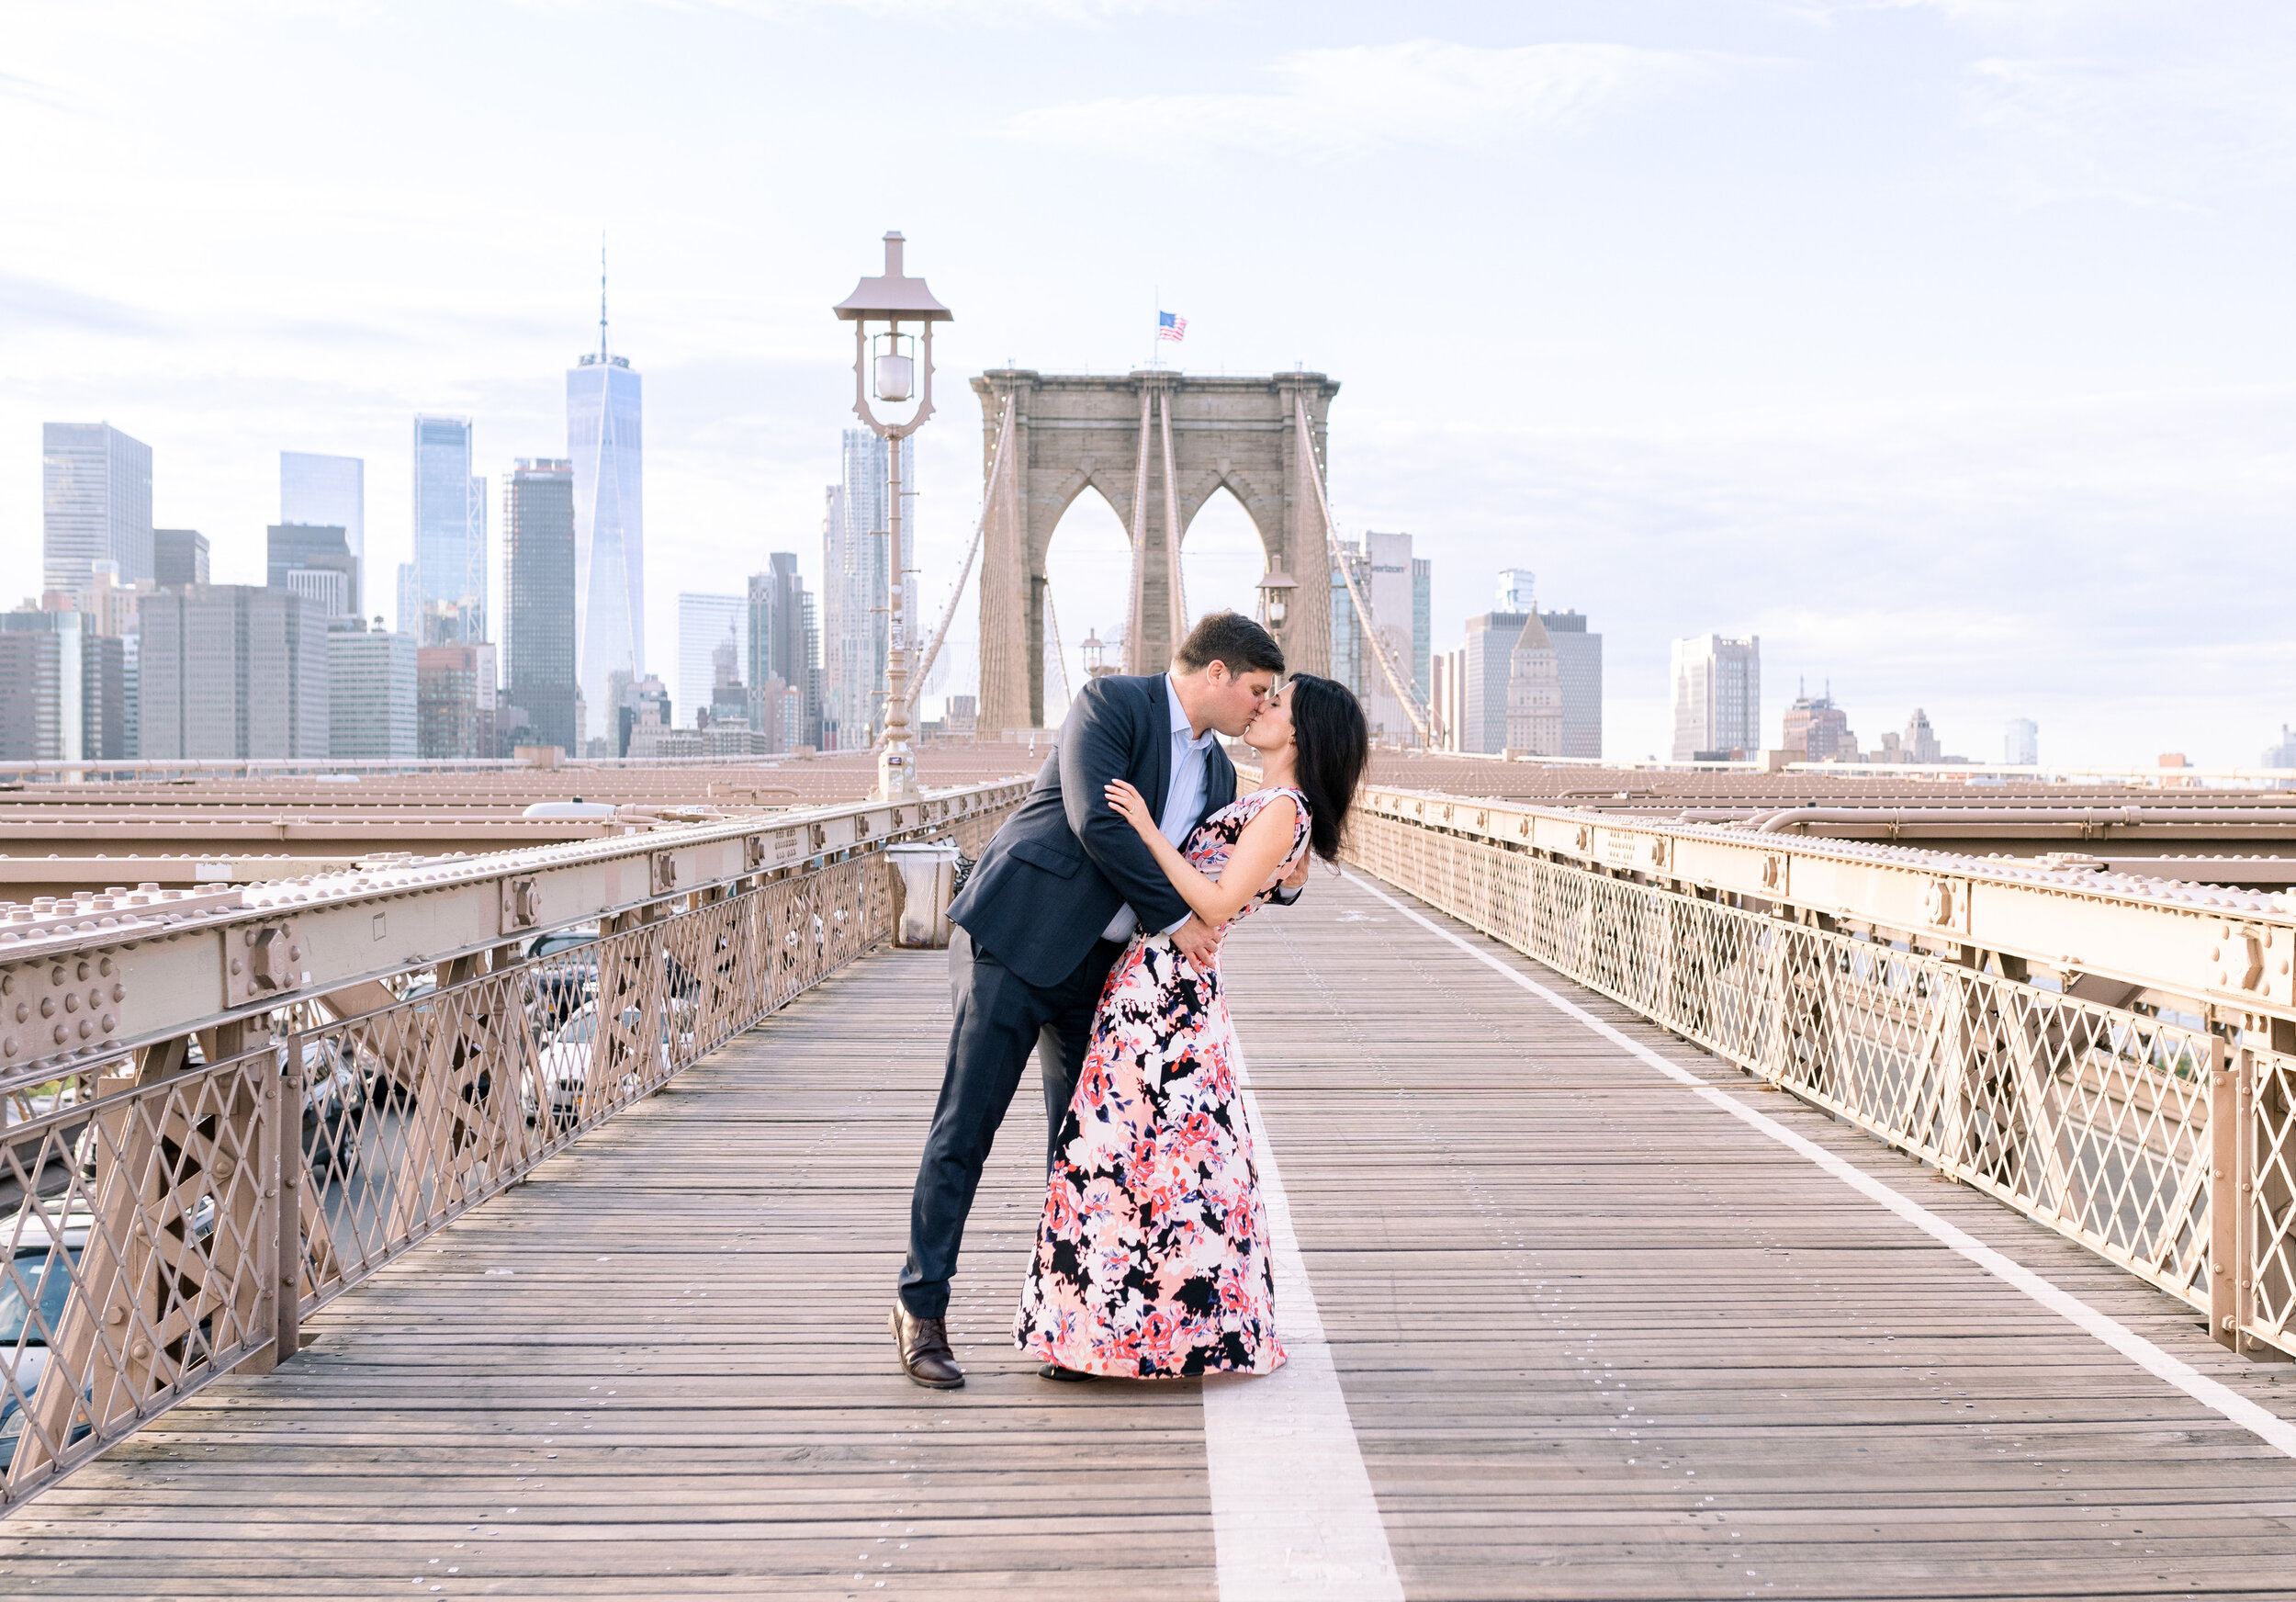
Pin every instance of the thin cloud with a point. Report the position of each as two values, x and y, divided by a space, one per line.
28 303
1424 92
2149 136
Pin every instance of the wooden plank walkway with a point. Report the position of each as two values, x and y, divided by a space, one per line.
1597 1339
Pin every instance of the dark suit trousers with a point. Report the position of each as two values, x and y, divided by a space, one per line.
1000 1017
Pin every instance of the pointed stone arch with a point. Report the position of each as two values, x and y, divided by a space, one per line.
1073 430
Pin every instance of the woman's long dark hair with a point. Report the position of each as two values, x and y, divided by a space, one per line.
1334 743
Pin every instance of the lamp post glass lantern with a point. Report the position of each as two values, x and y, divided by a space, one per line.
887 362
1276 590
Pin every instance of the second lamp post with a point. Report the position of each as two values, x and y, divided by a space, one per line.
886 363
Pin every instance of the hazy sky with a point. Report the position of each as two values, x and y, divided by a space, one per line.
1947 345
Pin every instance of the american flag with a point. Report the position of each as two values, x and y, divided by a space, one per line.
1171 327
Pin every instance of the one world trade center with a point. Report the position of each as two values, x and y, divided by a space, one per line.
602 437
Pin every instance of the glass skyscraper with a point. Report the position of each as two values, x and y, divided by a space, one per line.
96 504
856 590
328 493
605 439
538 597
450 524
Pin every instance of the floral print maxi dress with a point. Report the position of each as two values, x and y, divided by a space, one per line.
1151 1258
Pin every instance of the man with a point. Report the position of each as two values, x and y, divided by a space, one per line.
1045 915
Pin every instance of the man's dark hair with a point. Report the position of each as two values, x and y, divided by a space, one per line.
1232 638
1327 723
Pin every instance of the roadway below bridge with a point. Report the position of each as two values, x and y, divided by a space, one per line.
1574 1310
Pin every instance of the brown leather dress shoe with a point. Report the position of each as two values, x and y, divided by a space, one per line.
923 1347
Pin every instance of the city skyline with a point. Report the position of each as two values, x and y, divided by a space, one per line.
1948 367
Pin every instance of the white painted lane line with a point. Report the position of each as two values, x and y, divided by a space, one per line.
2266 1425
1292 1512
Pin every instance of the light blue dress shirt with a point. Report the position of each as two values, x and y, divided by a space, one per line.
1182 801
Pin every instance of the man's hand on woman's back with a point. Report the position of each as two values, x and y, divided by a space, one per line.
1198 941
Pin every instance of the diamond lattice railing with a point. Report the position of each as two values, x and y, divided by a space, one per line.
2093 1118
176 1210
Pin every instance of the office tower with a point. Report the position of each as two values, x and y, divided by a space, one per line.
538 606
605 442
2021 743
1816 730
1448 692
31 698
1579 665
1920 742
61 689
179 557
636 701
409 615
109 604
856 591
1421 627
1397 589
328 493
785 645
1534 693
317 563
705 622
370 694
455 700
95 503
1518 591
1717 697
450 520
1489 665
235 673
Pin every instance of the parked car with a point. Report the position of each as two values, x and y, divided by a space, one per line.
568 975
32 1298
334 1104
50 1239
566 1055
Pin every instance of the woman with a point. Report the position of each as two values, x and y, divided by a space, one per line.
1152 1255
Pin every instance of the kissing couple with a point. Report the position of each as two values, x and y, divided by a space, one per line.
1090 930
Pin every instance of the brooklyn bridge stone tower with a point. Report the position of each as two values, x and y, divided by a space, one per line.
1158 445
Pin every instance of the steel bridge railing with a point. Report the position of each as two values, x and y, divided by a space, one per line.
2162 1140
179 1207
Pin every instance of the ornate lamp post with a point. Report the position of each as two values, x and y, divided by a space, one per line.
885 367
1276 588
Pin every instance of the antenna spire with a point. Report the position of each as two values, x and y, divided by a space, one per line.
601 297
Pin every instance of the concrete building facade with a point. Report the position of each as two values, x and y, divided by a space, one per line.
179 557
1488 657
1534 694
1717 697
315 561
1578 671
785 646
233 671
2021 742
454 689
371 695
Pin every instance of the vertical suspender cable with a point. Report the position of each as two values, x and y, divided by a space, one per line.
980 530
1135 655
1178 590
1398 686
